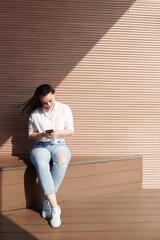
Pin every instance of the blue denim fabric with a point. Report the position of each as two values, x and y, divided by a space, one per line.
41 155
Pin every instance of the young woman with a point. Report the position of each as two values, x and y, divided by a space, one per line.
49 123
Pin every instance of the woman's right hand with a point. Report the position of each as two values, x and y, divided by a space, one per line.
39 136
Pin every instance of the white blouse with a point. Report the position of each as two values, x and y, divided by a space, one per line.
61 119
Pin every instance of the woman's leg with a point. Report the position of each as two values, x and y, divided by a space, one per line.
61 156
40 157
52 200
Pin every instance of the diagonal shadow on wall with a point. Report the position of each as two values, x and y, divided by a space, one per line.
41 42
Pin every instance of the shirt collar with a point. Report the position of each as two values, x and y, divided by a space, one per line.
56 105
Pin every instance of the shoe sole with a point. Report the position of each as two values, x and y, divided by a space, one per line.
56 226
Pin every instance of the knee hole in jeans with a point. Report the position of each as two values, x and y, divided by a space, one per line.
61 159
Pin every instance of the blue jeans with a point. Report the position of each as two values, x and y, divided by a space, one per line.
41 155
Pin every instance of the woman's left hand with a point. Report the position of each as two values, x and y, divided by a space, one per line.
54 134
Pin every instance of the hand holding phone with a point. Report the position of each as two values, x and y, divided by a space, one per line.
49 131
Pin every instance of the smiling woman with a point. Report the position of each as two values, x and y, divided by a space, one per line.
45 113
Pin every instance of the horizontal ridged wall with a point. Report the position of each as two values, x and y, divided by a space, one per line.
102 57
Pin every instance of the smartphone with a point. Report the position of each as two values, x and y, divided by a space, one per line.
49 131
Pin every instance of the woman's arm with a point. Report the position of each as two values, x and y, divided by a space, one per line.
54 135
60 133
38 136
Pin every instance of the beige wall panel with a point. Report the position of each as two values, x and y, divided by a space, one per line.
102 57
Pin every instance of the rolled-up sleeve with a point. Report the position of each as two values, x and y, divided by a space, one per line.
31 126
69 119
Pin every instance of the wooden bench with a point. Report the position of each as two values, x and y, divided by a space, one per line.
86 176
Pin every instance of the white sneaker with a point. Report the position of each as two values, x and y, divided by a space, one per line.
46 211
55 221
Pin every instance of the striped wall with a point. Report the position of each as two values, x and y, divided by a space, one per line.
102 57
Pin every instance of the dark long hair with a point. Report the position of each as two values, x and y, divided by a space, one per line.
34 102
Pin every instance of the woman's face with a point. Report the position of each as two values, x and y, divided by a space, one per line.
48 101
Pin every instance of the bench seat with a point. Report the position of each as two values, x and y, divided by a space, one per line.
86 176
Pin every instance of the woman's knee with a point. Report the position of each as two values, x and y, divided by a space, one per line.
62 155
40 157
62 159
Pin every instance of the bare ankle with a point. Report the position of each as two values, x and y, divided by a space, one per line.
52 199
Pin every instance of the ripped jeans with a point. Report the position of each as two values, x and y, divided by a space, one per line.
41 155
